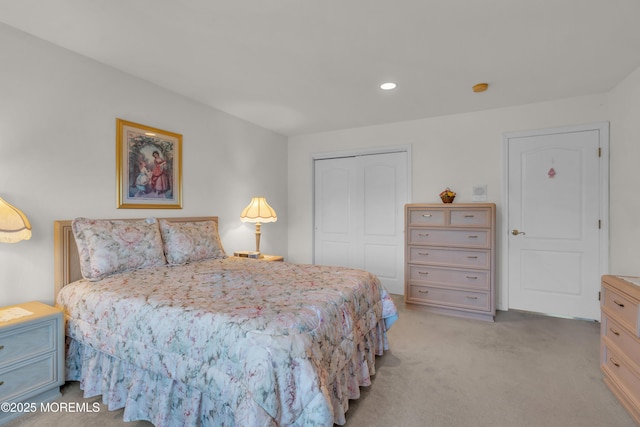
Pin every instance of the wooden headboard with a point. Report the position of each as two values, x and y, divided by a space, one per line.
66 260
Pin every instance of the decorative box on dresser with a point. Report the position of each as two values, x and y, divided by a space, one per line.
31 357
620 340
450 258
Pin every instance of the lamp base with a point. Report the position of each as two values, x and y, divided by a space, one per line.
258 237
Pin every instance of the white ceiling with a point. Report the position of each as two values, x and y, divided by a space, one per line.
303 66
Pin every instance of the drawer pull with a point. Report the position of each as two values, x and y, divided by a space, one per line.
423 253
472 297
618 303
473 237
472 277
469 216
423 234
423 272
423 292
472 257
1 382
427 215
614 331
616 364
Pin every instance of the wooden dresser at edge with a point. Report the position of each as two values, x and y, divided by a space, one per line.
450 258
620 340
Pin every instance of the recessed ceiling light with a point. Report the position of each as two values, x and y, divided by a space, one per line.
388 86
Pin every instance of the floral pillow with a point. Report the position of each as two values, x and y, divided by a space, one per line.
190 241
108 247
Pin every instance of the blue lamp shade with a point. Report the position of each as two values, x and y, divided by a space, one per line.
14 225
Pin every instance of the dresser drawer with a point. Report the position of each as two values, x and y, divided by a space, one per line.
452 257
27 341
621 308
619 337
37 373
620 371
472 279
462 238
449 297
433 216
471 217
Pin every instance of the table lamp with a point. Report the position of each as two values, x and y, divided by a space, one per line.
14 225
258 212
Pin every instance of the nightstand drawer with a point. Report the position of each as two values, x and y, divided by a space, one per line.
34 375
28 341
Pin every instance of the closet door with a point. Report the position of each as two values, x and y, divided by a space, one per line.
335 219
359 208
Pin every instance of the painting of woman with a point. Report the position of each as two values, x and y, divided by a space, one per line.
159 178
149 165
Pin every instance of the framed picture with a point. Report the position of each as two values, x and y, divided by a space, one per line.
148 167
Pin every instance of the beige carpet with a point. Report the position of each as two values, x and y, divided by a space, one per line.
522 370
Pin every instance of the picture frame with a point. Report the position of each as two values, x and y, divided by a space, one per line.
148 167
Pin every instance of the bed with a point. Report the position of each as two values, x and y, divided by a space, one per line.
193 337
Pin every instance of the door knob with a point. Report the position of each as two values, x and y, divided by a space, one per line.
516 232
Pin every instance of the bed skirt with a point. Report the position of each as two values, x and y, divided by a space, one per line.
153 397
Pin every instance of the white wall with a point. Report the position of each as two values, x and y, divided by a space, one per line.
57 156
456 151
624 230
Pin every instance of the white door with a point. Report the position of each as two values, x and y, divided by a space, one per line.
359 205
335 222
554 224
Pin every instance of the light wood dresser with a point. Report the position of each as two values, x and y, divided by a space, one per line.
450 258
620 340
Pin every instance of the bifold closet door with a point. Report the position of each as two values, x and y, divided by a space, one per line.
359 214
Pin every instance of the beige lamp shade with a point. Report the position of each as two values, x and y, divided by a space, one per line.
258 211
14 225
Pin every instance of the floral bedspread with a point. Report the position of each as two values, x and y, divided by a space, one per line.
227 341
